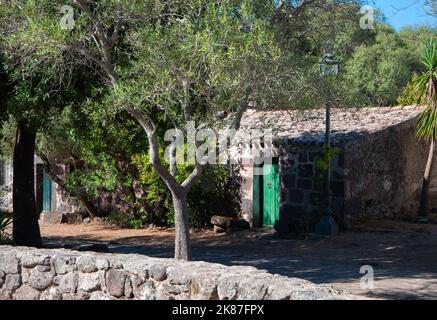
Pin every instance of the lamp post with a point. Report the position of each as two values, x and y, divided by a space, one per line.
329 67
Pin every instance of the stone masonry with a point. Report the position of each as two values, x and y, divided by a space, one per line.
302 185
377 174
32 274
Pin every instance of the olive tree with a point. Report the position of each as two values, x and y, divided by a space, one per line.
182 61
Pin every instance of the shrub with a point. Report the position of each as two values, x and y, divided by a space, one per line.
409 95
5 221
216 193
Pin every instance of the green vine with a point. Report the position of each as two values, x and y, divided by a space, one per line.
323 162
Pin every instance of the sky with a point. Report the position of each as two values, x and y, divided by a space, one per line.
400 13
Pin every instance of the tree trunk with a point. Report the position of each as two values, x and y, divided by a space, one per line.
88 204
182 239
423 209
25 220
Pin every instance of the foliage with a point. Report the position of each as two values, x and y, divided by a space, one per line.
426 86
322 162
216 193
409 95
5 221
376 73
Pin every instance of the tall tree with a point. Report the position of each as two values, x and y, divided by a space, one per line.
427 126
43 81
187 61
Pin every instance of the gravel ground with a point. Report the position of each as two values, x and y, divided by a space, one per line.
403 256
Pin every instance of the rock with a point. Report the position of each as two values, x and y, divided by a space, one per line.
53 217
228 224
2 278
9 263
89 282
34 259
69 296
227 288
26 292
147 291
161 294
158 272
250 289
42 268
12 282
221 221
204 286
51 294
25 273
102 264
100 296
87 220
128 289
86 264
314 293
68 283
115 282
64 264
40 280
218 229
170 289
136 267
5 295
137 281
180 275
83 295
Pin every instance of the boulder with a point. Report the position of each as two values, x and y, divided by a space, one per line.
227 224
53 217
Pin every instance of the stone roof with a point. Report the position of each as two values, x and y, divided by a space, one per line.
308 127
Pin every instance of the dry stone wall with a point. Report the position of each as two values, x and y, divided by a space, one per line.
32 274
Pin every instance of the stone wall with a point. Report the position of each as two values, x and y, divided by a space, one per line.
64 275
302 187
384 174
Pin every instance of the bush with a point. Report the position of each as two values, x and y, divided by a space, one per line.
409 95
216 193
5 221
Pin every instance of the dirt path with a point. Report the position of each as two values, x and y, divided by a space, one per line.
403 256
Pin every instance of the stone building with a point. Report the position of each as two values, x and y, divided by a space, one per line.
49 196
377 172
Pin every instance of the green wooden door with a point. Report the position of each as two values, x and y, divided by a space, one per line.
270 194
46 193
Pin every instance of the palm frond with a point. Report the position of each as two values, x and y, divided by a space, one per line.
427 124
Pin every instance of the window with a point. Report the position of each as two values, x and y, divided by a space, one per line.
2 173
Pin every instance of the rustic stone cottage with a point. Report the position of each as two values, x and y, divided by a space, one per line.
49 196
377 172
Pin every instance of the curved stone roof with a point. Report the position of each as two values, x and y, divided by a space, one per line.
308 127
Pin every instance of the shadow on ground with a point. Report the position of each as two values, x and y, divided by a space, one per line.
402 256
